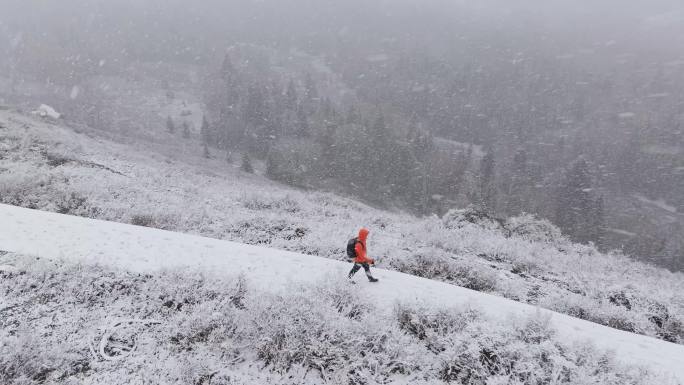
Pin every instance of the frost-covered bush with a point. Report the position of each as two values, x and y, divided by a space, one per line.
75 204
23 190
145 220
57 158
259 231
533 229
459 218
25 359
620 310
469 350
595 310
46 193
457 271
260 202
70 324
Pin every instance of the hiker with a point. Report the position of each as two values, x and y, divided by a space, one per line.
356 250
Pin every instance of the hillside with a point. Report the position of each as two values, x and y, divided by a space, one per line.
51 167
168 185
133 260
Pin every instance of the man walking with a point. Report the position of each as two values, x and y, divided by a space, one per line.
356 249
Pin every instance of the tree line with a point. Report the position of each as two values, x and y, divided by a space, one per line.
306 139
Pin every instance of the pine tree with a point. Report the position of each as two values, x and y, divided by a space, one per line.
574 204
598 222
381 144
421 143
255 107
420 148
272 167
186 130
326 109
519 189
353 116
224 134
169 124
487 182
327 161
302 123
246 165
258 116
311 93
291 98
629 163
401 174
205 150
204 131
227 68
451 173
353 159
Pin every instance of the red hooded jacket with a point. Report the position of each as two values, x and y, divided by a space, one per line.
361 256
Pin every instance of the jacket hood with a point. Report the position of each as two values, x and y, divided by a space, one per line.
363 234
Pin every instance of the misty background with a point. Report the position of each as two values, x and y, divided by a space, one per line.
572 111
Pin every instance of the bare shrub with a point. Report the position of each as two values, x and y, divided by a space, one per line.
532 229
457 219
56 159
448 270
144 220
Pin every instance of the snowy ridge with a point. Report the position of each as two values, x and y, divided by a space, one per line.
143 249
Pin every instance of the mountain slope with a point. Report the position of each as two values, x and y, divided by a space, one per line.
146 250
53 167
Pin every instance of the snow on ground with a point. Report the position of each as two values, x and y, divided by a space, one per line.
45 111
147 250
622 232
660 203
662 149
455 146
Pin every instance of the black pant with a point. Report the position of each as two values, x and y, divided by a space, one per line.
357 267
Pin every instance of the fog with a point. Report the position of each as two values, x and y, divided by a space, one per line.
569 110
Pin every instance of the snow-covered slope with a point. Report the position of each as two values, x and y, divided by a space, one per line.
141 249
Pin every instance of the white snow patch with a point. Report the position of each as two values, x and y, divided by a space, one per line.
444 143
674 63
626 115
8 269
660 203
17 40
377 58
660 149
45 111
623 232
663 20
75 90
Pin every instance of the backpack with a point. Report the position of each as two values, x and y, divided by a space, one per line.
351 247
